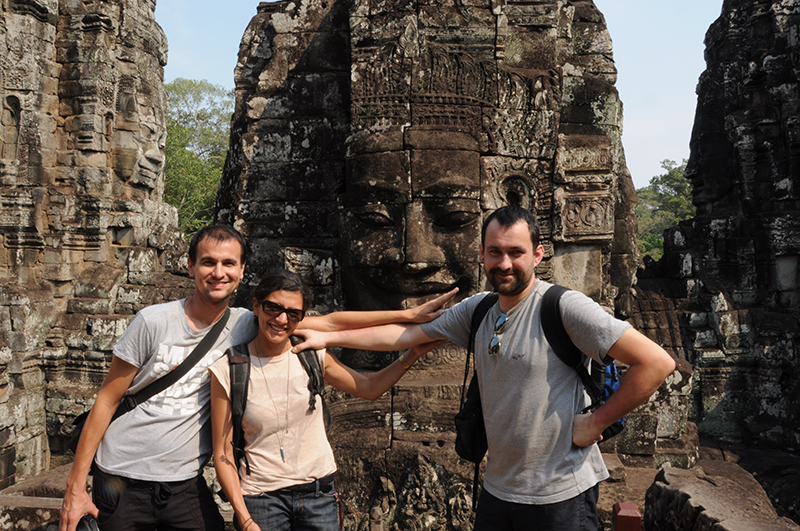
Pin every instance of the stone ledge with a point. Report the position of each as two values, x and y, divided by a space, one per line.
713 495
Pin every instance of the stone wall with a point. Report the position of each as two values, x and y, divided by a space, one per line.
85 240
732 272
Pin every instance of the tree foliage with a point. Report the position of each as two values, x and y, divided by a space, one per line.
198 127
663 203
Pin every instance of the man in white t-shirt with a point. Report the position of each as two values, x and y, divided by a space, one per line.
543 462
148 462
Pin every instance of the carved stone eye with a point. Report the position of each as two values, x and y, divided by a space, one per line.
455 219
374 219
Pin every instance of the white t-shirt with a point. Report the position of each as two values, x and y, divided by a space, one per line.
168 437
277 415
530 397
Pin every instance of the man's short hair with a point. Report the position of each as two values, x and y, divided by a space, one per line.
283 280
510 215
217 234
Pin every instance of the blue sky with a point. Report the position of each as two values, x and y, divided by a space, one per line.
658 50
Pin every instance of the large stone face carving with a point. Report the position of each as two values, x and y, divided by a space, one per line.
424 117
371 139
85 240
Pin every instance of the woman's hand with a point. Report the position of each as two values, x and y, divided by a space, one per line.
250 525
432 309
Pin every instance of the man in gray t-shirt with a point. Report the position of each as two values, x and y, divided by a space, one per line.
543 462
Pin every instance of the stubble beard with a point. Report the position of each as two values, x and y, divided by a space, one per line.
509 289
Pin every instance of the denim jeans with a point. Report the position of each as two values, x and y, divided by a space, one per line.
286 510
132 505
576 514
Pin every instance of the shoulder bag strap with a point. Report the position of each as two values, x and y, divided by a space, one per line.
129 402
477 316
310 362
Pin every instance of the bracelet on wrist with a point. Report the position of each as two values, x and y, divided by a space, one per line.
404 362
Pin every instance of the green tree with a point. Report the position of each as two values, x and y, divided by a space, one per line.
198 127
663 203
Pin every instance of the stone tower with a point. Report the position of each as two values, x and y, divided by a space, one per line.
85 240
369 141
732 272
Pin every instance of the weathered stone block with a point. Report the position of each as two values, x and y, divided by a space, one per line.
294 220
364 173
639 435
421 406
142 260
579 268
99 282
106 331
91 306
33 456
295 181
8 469
315 267
359 423
61 272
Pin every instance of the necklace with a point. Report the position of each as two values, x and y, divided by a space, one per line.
275 407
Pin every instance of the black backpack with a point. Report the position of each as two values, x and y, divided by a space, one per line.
239 362
604 379
470 430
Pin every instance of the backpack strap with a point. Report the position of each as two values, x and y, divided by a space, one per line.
310 362
477 317
562 345
239 362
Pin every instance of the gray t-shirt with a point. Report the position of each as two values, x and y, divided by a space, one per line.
168 437
530 397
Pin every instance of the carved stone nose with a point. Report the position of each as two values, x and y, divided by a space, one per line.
393 256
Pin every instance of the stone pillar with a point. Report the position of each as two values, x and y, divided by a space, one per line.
85 240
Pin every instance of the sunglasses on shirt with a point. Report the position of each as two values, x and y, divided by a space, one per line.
274 310
494 343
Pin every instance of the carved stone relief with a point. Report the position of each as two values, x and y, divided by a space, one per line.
737 260
82 124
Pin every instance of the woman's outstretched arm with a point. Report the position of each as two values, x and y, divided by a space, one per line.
374 385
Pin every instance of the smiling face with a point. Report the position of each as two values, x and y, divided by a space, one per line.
139 155
412 223
510 258
276 329
217 269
